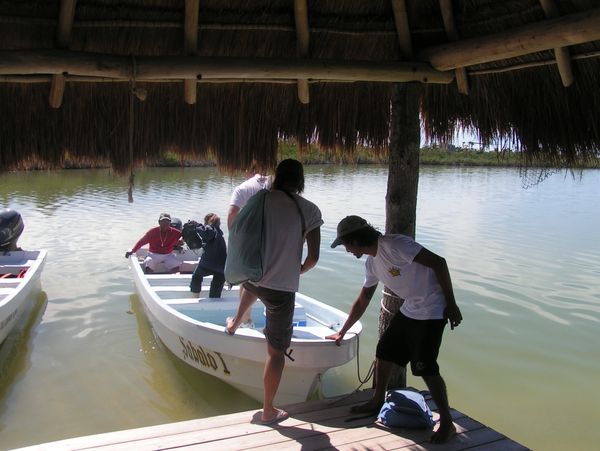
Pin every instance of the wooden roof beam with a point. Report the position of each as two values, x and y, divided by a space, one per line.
402 29
190 32
302 40
546 35
30 62
450 26
563 59
66 16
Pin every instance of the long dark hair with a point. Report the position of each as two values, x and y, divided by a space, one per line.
289 176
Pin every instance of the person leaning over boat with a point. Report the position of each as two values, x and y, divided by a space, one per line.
212 260
283 244
414 335
162 241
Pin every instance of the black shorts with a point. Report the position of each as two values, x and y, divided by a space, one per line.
280 314
412 340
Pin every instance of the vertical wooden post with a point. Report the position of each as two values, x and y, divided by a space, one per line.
401 196
403 176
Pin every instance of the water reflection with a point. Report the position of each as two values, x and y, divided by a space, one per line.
15 351
180 385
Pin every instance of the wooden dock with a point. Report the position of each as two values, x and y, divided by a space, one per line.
315 425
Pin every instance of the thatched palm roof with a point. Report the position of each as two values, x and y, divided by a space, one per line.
67 69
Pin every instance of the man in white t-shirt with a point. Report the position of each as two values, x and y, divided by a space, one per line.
414 335
289 221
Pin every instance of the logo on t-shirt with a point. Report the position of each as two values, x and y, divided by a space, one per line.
394 271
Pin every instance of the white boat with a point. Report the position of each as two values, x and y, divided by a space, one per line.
193 329
19 282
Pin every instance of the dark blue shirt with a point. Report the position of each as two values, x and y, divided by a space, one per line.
215 250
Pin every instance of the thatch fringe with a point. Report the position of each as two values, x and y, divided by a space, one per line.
553 125
233 123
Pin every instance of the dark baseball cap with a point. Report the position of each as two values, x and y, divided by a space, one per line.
348 225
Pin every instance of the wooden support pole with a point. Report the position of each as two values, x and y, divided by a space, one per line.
190 31
118 67
549 34
302 40
402 29
451 32
563 59
66 16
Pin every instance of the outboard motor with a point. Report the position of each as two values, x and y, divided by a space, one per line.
11 227
176 223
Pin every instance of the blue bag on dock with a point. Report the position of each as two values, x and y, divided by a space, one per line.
406 409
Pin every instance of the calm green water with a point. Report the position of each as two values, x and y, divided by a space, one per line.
524 262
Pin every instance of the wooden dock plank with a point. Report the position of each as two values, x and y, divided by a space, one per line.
323 424
350 434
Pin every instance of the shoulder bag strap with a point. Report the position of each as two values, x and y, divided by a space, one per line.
291 196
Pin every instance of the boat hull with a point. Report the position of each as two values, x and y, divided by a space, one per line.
17 294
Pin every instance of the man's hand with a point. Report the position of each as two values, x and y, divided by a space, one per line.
128 253
452 313
337 337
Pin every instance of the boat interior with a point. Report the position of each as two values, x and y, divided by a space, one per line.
10 277
173 289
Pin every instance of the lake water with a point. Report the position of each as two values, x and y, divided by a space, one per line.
524 263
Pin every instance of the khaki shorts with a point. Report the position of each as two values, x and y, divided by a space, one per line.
161 262
280 314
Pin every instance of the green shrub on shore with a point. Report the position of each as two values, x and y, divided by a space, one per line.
428 155
466 157
431 155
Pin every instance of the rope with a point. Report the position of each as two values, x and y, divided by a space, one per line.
371 370
131 125
362 381
386 293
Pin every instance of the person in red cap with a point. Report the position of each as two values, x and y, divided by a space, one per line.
421 280
162 241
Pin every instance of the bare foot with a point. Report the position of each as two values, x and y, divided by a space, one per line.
444 433
371 406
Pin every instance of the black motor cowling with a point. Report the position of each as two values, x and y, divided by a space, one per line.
176 223
11 227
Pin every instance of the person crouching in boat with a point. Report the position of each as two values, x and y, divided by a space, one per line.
162 241
212 260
